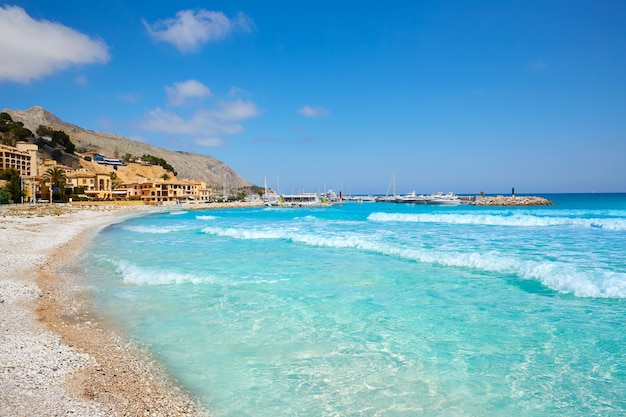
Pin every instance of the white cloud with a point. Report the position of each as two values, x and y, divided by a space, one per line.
191 29
308 111
210 142
206 127
179 93
32 49
237 92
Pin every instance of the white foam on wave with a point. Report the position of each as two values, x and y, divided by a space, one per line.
514 220
294 235
137 275
559 276
155 229
566 278
259 281
206 217
249 234
178 212
308 217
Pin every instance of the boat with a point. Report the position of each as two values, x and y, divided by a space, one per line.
412 198
366 199
304 200
389 198
440 199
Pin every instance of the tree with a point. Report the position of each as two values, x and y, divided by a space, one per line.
5 119
115 181
12 191
57 155
12 131
5 122
59 136
158 161
44 131
55 177
5 196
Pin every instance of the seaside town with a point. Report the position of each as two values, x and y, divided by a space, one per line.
102 179
137 180
99 179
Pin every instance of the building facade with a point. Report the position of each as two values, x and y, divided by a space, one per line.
22 158
95 185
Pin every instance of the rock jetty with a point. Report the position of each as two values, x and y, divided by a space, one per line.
512 201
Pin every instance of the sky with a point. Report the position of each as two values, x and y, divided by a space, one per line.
462 96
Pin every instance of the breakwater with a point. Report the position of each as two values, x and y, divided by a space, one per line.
512 201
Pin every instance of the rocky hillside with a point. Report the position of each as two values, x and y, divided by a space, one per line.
187 165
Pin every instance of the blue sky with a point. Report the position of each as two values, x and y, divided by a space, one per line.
462 96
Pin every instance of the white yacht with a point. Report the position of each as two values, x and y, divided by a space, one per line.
412 198
441 199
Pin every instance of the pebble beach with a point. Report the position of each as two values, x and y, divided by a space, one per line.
56 359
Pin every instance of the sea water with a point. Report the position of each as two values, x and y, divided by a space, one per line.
379 309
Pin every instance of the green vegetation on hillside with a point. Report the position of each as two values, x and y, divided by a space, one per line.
12 132
58 137
159 161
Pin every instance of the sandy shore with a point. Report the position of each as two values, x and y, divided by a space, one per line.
55 358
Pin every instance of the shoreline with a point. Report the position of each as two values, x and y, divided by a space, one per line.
55 357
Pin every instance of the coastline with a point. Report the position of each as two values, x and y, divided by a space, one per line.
55 358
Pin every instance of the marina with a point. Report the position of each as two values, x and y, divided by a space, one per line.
330 198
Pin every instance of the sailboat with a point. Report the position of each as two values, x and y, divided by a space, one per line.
390 198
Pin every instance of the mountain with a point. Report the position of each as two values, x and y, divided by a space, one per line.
187 165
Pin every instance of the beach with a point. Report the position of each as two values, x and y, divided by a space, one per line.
351 310
55 358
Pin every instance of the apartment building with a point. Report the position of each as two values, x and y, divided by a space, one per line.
176 191
22 158
95 185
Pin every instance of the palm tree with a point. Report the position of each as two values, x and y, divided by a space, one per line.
56 179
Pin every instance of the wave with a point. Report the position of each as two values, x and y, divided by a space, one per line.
249 234
206 217
558 276
133 274
139 275
156 229
514 220
178 212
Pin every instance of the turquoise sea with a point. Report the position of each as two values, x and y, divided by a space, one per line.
379 309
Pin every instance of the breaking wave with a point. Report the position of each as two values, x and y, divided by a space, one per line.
513 220
137 275
156 229
559 276
206 217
